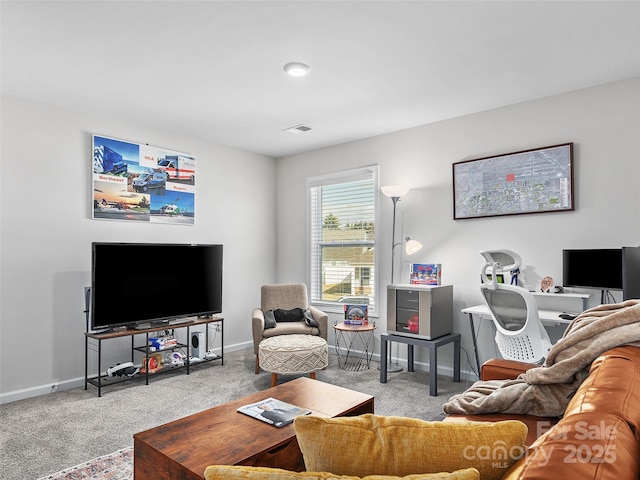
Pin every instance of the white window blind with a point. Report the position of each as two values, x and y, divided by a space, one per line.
343 212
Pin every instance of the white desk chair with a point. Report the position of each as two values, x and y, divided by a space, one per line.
520 334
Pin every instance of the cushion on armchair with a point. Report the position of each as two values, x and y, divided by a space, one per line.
292 315
269 319
309 320
272 317
403 446
226 472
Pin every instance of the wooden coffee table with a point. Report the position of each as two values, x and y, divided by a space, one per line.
182 449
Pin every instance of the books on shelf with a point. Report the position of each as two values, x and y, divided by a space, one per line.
426 274
161 343
275 412
356 314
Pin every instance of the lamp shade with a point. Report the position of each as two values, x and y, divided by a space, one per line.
395 191
412 246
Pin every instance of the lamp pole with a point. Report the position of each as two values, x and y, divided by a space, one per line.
393 367
393 237
394 192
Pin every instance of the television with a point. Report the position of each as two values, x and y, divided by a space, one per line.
153 284
630 272
595 268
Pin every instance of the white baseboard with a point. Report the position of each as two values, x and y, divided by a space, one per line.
41 390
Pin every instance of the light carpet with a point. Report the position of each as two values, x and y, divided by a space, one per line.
45 434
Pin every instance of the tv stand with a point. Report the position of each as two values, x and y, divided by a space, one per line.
180 321
102 330
95 340
163 324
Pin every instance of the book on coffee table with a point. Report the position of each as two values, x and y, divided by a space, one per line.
273 411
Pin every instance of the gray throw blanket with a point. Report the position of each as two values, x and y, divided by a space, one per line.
545 391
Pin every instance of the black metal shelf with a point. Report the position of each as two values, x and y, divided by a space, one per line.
165 349
105 380
100 380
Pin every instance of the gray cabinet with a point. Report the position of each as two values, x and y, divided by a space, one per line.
420 311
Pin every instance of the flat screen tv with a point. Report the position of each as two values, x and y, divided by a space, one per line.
595 268
630 272
135 284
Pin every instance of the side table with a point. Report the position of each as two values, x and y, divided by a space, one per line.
432 345
354 346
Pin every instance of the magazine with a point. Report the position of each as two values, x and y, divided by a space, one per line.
426 274
273 411
356 314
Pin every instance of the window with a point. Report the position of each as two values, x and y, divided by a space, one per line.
343 212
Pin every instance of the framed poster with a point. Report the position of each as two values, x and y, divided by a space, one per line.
530 181
139 182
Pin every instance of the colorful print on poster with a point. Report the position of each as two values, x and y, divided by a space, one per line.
135 182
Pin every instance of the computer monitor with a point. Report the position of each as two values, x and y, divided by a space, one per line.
593 268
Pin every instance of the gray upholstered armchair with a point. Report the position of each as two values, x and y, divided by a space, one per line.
285 296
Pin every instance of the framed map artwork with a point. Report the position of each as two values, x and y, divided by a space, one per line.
530 181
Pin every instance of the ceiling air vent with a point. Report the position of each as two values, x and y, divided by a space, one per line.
297 129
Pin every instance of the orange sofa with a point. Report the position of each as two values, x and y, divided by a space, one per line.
598 436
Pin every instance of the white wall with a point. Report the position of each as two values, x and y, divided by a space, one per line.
603 123
47 230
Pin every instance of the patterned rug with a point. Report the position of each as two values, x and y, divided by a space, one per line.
114 466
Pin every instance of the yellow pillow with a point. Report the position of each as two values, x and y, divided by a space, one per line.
401 446
227 472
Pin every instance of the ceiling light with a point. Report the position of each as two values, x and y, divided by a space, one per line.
296 69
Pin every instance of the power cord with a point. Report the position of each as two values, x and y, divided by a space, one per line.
470 364
212 338
608 297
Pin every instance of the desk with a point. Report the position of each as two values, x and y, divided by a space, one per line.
549 318
432 345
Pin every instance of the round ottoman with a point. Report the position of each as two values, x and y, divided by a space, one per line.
293 354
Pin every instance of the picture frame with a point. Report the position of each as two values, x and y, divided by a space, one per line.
538 180
425 274
142 183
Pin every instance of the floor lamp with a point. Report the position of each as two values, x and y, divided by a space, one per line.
395 193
